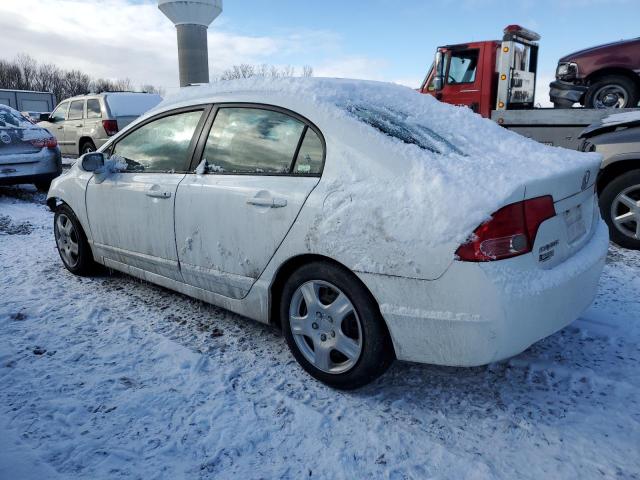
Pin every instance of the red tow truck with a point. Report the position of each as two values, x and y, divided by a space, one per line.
497 79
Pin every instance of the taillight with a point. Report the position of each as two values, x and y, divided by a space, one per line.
510 232
110 126
45 142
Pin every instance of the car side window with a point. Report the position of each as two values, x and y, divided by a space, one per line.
252 140
93 109
60 113
76 110
310 156
161 145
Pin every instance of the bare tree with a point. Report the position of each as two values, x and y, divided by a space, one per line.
25 73
245 70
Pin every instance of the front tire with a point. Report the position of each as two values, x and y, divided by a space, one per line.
612 91
333 326
72 243
620 208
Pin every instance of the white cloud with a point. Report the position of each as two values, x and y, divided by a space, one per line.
117 39
121 39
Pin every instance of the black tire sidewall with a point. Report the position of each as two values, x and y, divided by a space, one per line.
377 351
624 82
608 195
85 263
86 144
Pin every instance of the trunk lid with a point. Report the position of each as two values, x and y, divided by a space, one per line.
577 214
16 146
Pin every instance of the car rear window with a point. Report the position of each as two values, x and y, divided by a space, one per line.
10 118
125 104
399 125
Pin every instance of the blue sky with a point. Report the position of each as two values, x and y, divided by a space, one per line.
404 34
376 39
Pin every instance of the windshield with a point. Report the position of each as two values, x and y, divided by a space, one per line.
10 118
401 126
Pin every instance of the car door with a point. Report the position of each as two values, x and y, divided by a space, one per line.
131 213
56 124
73 126
231 217
463 83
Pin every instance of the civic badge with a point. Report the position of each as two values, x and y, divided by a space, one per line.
5 138
585 179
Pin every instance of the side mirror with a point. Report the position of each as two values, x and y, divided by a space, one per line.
438 83
45 117
90 162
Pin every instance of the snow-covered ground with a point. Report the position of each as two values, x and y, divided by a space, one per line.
108 377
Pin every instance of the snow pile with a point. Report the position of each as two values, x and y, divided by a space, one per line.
11 118
127 104
425 170
114 164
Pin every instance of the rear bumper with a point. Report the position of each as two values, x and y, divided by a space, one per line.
46 168
566 94
480 313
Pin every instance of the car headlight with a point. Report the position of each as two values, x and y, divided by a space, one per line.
567 71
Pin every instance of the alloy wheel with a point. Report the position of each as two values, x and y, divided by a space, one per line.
625 212
67 240
325 326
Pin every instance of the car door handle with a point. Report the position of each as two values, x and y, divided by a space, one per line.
158 194
60 127
79 126
268 202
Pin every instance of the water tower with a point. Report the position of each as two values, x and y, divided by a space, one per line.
192 18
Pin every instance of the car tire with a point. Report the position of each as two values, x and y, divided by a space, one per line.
71 242
354 348
615 85
613 206
87 146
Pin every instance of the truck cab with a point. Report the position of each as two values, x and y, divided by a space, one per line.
489 75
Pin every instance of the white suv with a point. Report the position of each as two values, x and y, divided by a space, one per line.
84 123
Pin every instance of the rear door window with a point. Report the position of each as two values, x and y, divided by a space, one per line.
252 141
93 109
76 110
310 156
161 145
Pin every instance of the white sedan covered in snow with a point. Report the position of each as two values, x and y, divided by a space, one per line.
367 221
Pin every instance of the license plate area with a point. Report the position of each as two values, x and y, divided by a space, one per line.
574 221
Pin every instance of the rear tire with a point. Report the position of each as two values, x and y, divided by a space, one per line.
71 241
333 326
612 91
619 212
87 146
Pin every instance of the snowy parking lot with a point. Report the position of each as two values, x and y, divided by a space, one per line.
109 377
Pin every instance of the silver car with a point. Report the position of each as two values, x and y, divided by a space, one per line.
617 138
28 153
83 124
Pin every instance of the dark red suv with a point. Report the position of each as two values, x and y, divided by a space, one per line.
606 76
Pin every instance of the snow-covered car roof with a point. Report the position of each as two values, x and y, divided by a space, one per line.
392 145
